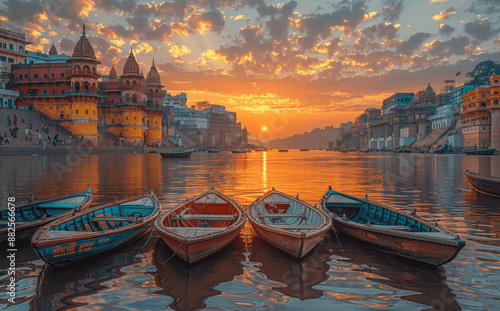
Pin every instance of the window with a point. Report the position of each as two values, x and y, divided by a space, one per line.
45 75
3 58
10 60
11 47
20 49
77 111
482 95
496 92
61 115
495 102
33 92
93 111
54 93
36 75
62 75
126 118
20 93
52 75
483 104
44 92
63 92
20 76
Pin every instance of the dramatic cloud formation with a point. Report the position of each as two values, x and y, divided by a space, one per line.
320 62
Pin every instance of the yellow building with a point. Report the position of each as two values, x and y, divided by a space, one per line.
12 48
131 109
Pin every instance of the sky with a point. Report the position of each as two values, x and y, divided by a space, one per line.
283 67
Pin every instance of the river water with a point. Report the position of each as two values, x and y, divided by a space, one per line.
249 274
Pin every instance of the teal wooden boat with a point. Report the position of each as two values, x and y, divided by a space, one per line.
95 231
29 217
390 230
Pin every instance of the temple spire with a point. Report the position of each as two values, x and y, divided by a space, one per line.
153 62
83 36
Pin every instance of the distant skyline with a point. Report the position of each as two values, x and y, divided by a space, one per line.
287 67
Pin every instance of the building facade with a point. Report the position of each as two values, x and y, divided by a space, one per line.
7 97
12 48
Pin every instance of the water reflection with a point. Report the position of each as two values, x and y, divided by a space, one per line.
382 279
191 285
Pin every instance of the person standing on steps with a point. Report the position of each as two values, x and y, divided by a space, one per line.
39 138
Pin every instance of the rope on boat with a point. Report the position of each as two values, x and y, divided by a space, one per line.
338 241
176 250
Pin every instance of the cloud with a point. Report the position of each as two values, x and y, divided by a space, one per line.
497 42
44 41
444 15
480 30
435 1
392 9
177 51
381 30
446 30
209 21
409 46
455 46
111 5
144 48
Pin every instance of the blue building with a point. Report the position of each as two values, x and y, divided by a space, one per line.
396 100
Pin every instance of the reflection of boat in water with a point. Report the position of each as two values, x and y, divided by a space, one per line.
298 276
56 289
213 150
425 285
484 183
177 153
191 285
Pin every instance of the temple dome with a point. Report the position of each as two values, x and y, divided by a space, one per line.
112 74
53 50
131 65
83 48
153 76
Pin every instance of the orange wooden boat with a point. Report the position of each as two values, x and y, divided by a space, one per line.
288 223
201 226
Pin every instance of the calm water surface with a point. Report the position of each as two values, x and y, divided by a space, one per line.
249 274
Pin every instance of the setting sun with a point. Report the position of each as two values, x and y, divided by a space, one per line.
264 128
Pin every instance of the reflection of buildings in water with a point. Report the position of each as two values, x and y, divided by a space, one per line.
191 285
57 288
367 265
299 276
488 165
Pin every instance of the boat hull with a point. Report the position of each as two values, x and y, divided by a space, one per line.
485 184
64 254
296 246
481 151
426 251
174 155
194 251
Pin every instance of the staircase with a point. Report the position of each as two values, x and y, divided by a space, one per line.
186 140
105 136
443 139
431 137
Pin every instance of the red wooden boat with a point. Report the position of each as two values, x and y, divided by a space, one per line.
201 226
288 223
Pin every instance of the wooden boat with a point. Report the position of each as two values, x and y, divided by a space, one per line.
201 226
484 183
304 149
283 150
390 230
490 151
29 217
239 150
177 153
213 150
288 223
95 231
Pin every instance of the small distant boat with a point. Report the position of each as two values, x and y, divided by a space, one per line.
490 151
304 149
390 230
261 148
95 231
288 223
201 226
484 183
239 150
177 153
29 217
213 150
283 150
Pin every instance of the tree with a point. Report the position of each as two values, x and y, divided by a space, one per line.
481 74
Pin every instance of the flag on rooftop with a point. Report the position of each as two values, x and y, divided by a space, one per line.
458 73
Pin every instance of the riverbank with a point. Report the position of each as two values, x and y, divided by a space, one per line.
63 150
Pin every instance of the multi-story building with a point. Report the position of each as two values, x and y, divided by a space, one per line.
52 57
12 48
7 97
132 107
65 91
396 100
481 115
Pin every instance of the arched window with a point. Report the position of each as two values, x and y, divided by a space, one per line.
86 68
127 98
76 86
11 47
21 49
134 83
134 98
127 82
93 69
86 86
93 87
77 67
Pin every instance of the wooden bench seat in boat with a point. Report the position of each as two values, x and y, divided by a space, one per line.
298 227
283 215
204 217
111 218
340 199
400 228
64 206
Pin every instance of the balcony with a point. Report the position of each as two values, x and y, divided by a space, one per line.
96 74
84 93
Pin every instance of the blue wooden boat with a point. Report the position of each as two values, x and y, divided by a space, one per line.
95 231
390 230
29 217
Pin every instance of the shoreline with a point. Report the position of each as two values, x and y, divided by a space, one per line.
64 150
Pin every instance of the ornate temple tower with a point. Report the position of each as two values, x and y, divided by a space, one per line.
84 76
494 108
154 113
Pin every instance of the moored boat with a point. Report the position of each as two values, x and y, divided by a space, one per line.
29 217
288 223
484 183
213 150
390 230
490 151
186 153
283 150
239 150
95 231
201 226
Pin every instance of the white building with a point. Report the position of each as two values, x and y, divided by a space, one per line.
177 101
443 117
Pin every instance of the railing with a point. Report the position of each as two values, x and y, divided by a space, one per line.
143 103
68 93
86 72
